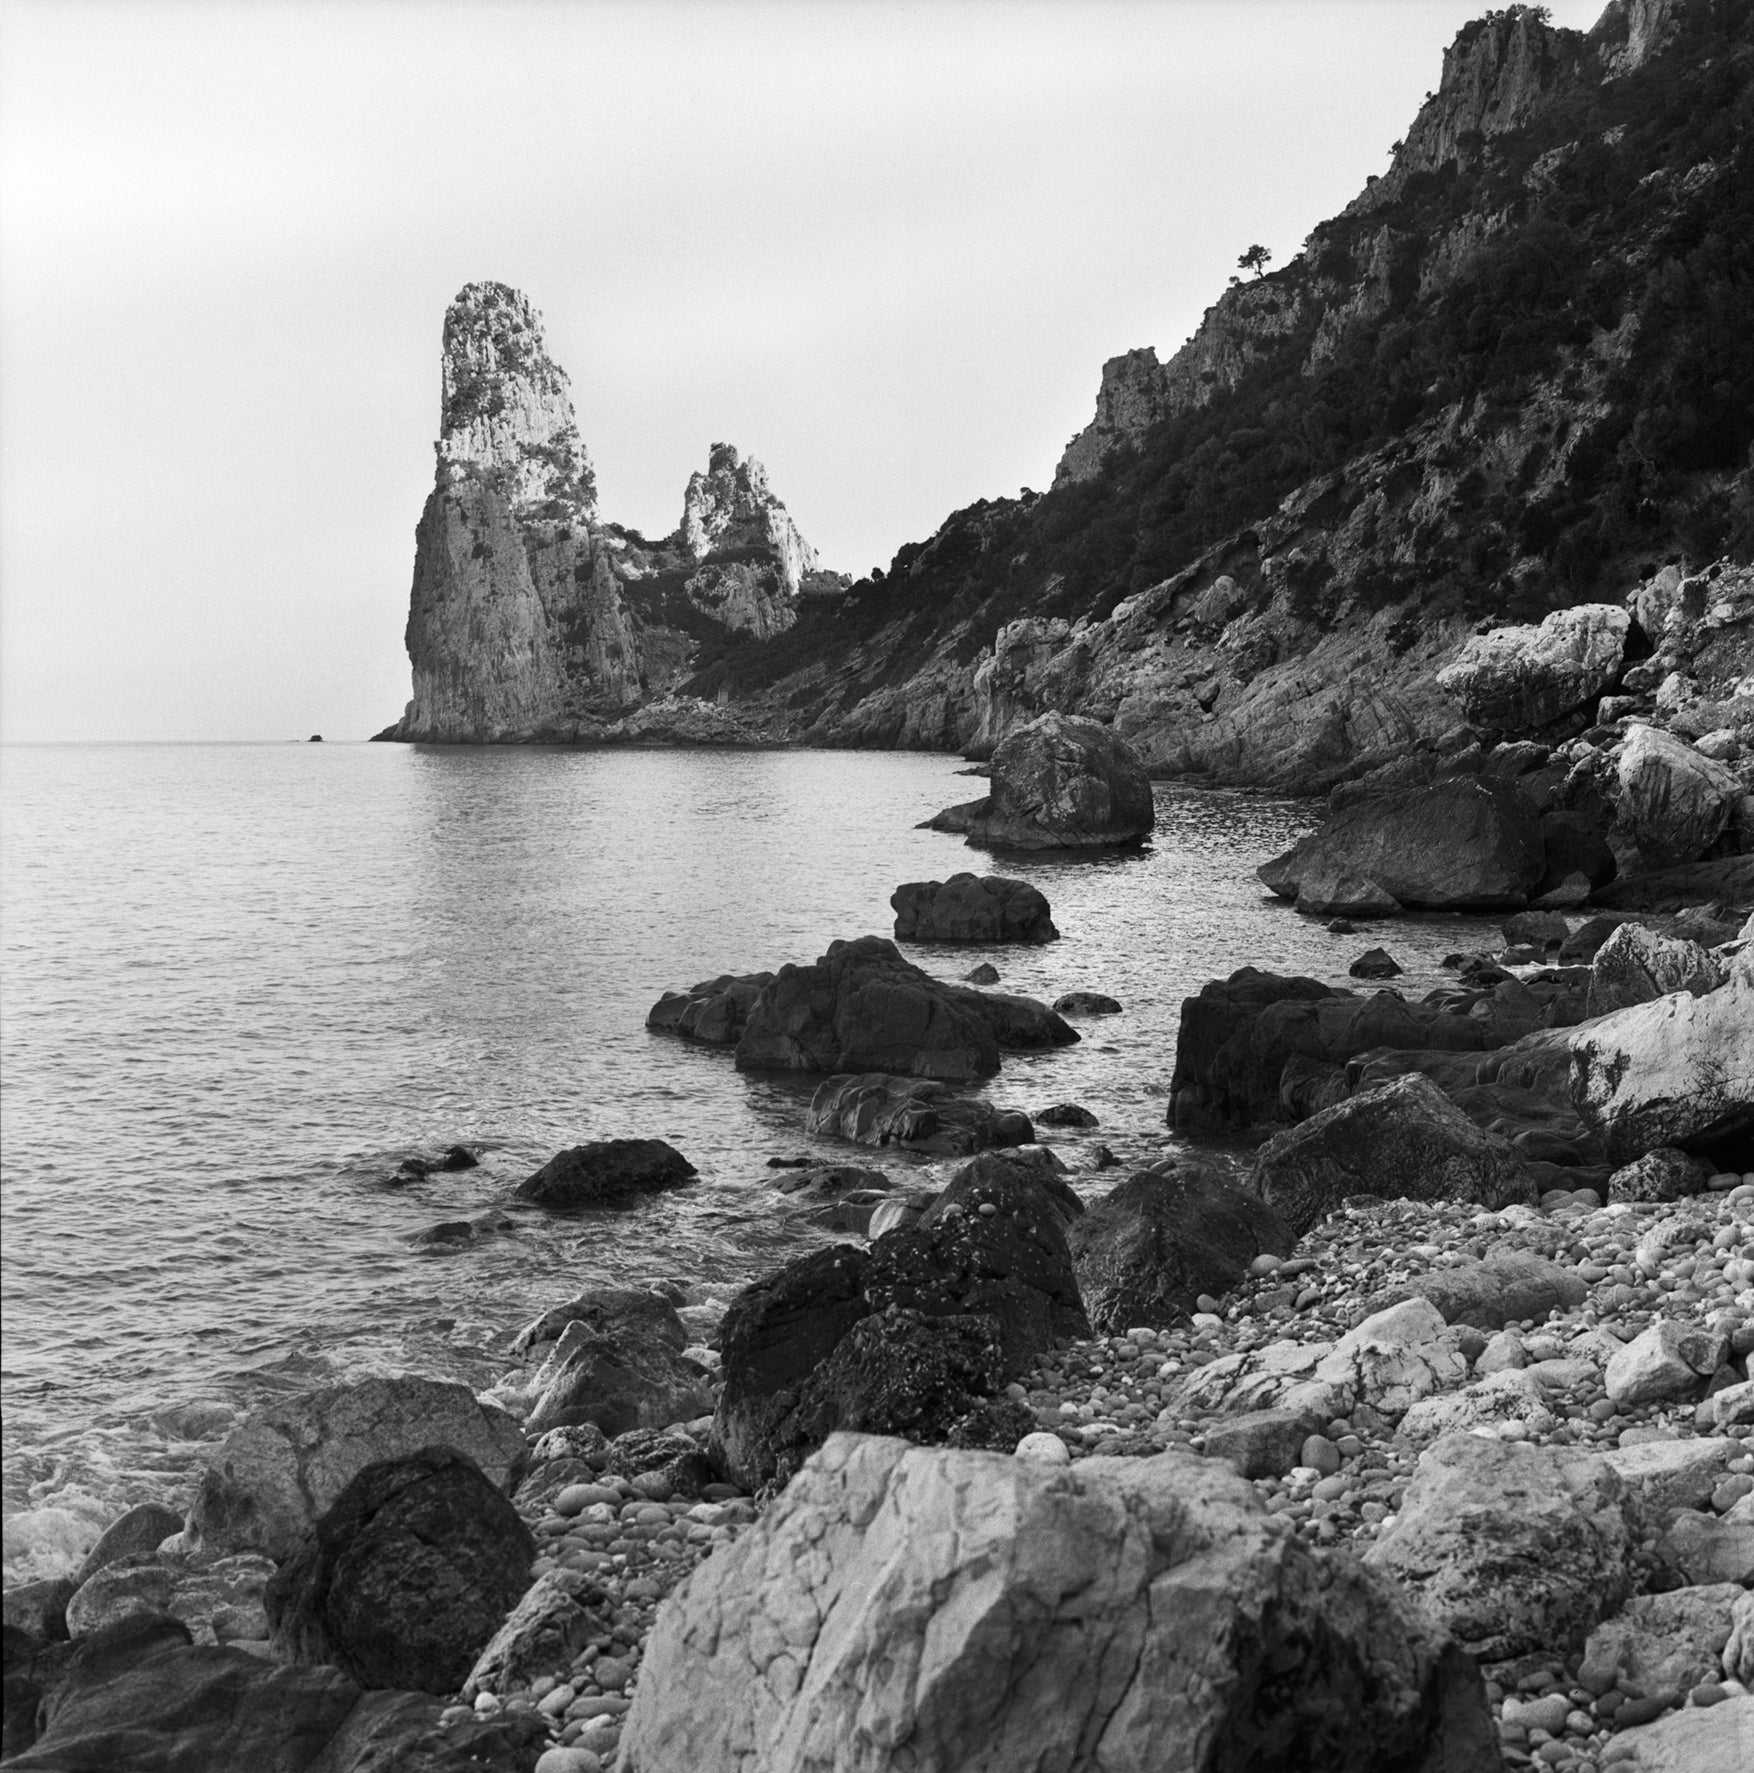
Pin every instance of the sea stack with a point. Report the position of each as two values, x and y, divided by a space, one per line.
532 619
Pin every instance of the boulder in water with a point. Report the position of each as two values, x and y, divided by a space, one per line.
1375 963
862 1007
1059 783
1455 845
405 1576
1330 889
607 1173
972 908
873 1108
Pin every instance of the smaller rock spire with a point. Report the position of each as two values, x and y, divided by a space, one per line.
731 506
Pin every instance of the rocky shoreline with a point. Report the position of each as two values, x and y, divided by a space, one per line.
1420 1437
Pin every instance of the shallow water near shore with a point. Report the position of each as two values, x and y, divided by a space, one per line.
242 982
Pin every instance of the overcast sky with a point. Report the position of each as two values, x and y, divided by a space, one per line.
885 248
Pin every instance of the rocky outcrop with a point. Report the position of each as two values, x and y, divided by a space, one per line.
1636 965
530 617
995 1613
1058 783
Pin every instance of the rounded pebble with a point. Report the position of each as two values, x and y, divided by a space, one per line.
1044 1448
568 1760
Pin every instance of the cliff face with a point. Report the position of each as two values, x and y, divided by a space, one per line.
532 619
1515 374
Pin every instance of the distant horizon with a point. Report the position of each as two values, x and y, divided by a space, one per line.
883 249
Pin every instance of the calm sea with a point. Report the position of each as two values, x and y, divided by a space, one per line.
242 982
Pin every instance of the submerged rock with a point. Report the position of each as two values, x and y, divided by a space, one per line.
922 1115
995 1613
1058 783
972 908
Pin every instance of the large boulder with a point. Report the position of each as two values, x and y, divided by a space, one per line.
1058 783
715 1012
1676 1071
139 1697
1513 1548
405 1577
285 1464
972 908
633 1314
607 1173
1674 802
1404 1138
988 1613
861 1007
617 1377
1635 965
1145 1252
219 1599
921 1115
1456 845
916 1335
1513 679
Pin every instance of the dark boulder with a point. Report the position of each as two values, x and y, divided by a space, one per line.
1146 1252
985 974
406 1576
1086 1003
139 1697
1725 880
837 1197
1405 1139
1058 783
862 1007
1375 963
972 908
1458 844
1065 1114
1503 1289
458 1157
916 1335
774 1335
875 1109
607 1173
714 1012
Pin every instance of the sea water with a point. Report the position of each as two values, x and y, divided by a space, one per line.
242 982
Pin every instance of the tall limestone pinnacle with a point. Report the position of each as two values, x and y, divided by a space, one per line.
507 406
532 619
